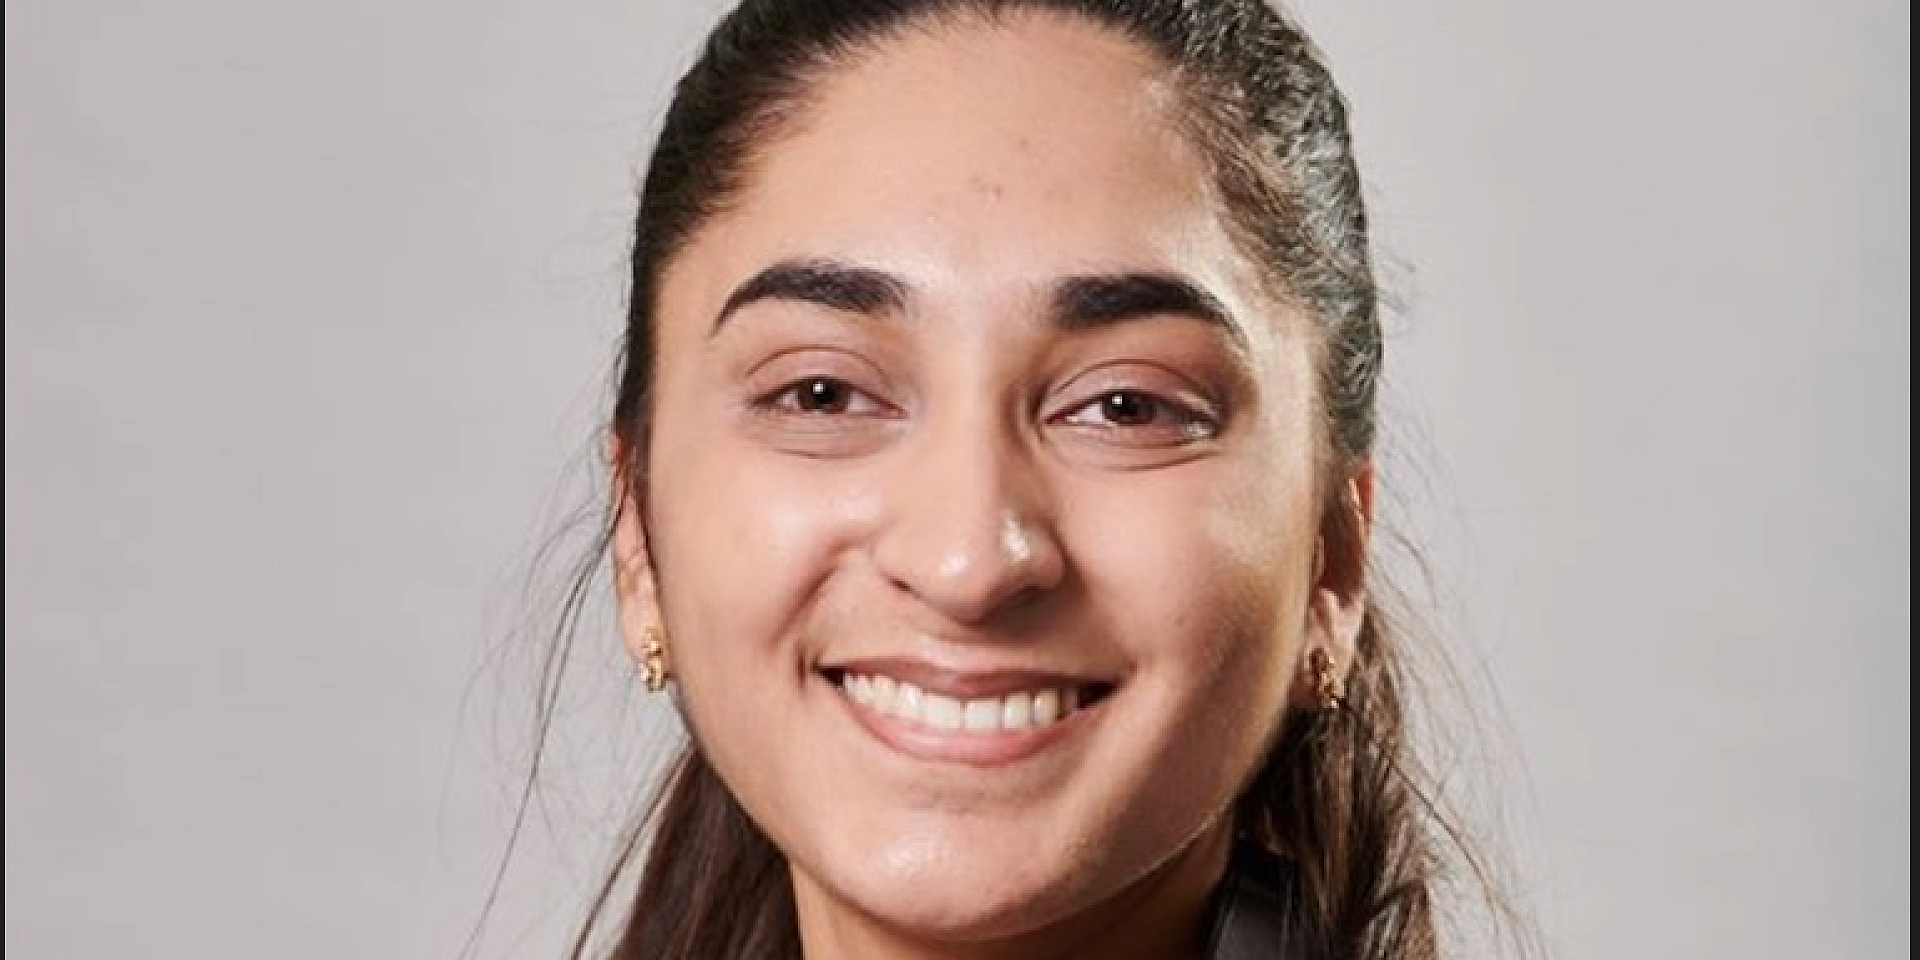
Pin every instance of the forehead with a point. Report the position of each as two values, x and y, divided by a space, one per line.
985 154
1056 104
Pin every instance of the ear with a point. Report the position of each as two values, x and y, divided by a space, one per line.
634 587
1337 604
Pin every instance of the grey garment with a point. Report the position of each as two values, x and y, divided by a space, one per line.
1253 910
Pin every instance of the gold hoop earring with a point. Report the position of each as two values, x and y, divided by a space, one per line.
1326 684
653 662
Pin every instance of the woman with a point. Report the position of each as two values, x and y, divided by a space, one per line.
992 490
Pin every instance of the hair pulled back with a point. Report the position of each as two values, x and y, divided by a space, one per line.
1333 793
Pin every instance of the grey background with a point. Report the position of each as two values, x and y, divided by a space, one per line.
309 305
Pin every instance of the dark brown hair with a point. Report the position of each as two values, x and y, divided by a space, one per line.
1336 793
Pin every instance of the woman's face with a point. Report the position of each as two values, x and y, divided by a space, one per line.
983 491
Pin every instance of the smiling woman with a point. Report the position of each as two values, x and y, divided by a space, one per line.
993 483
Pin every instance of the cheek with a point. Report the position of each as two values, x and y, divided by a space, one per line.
1208 593
741 549
1205 573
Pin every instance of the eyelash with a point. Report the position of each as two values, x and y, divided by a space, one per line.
792 397
1191 422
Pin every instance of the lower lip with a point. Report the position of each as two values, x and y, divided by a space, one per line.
973 748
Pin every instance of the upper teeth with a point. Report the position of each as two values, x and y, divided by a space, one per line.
1015 711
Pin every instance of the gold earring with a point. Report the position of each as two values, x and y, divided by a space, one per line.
1326 684
653 662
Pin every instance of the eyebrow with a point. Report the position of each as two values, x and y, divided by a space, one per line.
1077 303
1083 303
834 285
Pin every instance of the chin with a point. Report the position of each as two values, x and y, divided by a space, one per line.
951 892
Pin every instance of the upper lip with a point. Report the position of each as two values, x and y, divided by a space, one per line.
964 684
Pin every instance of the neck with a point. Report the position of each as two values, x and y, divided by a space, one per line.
1162 916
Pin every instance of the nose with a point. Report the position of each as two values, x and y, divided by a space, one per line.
969 530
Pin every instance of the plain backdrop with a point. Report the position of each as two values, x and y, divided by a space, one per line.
309 309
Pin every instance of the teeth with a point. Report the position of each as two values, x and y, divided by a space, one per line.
983 715
941 713
1046 707
907 699
860 689
883 693
1015 711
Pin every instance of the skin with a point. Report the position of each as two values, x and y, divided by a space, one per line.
966 502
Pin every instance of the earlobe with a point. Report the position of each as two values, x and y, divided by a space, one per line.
1337 604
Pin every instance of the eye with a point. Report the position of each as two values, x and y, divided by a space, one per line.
1129 408
1139 417
822 396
